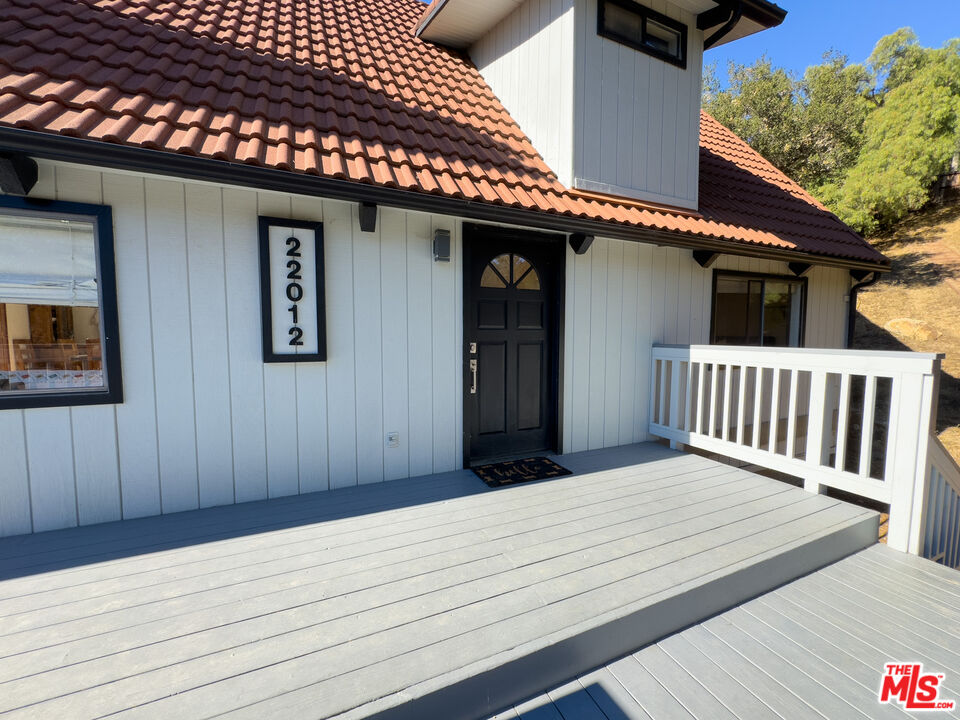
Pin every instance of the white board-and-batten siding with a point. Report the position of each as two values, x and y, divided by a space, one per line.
528 60
622 298
637 127
205 422
604 116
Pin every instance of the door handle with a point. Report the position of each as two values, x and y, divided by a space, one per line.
473 373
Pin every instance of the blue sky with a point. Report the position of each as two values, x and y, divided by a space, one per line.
850 26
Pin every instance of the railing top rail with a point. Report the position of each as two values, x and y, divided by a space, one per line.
871 361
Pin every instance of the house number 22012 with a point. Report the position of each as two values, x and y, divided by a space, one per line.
291 290
294 290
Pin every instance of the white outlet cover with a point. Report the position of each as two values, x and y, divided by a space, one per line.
393 439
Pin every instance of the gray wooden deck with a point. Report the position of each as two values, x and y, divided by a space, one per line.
814 648
431 597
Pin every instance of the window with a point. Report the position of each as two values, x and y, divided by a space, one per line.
764 310
58 313
510 271
643 29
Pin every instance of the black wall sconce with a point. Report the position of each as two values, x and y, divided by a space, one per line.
441 246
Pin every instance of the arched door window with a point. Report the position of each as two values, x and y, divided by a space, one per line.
510 271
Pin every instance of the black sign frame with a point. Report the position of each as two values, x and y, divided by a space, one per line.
266 298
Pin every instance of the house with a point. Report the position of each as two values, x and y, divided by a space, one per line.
252 250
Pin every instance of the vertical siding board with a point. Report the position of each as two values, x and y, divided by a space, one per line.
137 416
641 124
241 262
626 107
569 345
609 109
14 482
598 330
589 165
456 250
614 342
280 394
645 336
208 314
50 466
173 366
368 356
685 305
629 361
95 462
393 308
311 383
341 373
580 311
419 261
446 371
94 428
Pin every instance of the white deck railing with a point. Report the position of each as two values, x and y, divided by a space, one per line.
857 421
941 538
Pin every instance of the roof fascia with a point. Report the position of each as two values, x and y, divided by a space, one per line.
156 162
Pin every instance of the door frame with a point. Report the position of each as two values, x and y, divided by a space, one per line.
473 233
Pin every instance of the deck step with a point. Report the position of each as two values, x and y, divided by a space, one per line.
480 689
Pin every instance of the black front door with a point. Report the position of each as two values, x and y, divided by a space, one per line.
511 327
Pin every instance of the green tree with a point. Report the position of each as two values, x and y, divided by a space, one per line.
868 140
760 106
909 139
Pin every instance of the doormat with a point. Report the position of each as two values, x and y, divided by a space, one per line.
512 472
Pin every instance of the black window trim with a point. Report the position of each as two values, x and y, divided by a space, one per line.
645 13
101 216
763 277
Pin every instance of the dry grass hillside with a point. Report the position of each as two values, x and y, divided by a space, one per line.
917 306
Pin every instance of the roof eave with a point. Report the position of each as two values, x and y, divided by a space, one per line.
124 157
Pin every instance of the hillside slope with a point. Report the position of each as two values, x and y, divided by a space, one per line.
917 306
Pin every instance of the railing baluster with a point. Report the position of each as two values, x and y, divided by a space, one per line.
866 430
701 377
663 392
727 382
741 404
842 414
708 423
792 413
713 400
675 394
817 417
773 428
757 407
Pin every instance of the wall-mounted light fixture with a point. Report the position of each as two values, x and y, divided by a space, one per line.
441 246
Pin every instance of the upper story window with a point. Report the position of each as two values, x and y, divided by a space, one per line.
58 308
767 310
646 30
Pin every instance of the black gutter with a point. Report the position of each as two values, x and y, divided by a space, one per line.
765 13
158 162
852 307
736 12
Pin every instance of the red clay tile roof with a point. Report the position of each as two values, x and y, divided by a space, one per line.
343 89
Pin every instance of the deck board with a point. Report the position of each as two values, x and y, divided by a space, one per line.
804 650
384 599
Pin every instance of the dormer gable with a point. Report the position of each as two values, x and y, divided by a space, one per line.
608 91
